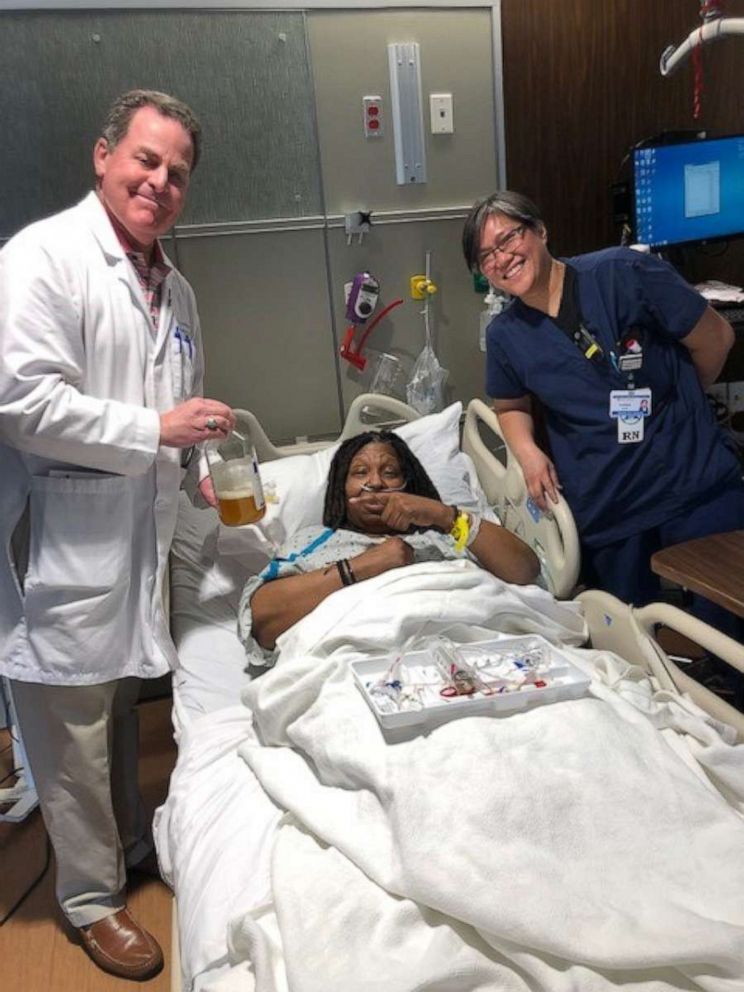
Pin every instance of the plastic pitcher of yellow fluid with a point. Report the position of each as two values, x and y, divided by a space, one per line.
237 481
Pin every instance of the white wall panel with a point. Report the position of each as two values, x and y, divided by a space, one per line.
267 327
350 60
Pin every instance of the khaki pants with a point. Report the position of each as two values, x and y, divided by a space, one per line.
82 746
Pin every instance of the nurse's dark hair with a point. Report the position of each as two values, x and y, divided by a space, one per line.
123 109
418 482
505 202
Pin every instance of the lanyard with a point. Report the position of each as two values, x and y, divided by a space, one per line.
570 321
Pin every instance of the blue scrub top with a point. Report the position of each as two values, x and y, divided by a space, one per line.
613 489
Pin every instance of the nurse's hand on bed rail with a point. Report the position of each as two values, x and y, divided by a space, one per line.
540 477
518 428
198 419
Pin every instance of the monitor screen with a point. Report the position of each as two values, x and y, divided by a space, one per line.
691 191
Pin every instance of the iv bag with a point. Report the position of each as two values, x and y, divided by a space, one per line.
425 391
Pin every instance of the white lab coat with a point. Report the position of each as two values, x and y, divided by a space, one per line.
83 375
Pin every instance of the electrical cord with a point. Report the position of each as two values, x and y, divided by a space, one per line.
22 898
11 773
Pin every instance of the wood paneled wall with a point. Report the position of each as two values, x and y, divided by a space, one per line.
582 84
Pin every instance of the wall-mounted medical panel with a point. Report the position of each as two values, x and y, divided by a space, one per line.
393 251
245 73
264 310
404 60
349 51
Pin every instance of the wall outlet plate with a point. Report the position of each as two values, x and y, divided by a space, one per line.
441 113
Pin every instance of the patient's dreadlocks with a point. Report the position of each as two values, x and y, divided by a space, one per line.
418 482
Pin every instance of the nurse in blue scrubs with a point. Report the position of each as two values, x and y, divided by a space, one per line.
618 349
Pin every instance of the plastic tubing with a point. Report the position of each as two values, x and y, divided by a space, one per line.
376 321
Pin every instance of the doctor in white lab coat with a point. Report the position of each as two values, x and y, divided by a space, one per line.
100 383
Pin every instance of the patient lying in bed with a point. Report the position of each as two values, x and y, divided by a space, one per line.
381 512
591 845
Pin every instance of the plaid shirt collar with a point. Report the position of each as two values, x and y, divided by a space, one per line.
150 272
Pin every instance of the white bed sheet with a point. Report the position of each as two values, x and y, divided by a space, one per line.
214 851
217 830
205 588
565 848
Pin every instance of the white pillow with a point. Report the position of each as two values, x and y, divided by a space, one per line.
296 485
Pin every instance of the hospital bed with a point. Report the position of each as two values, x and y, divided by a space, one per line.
217 831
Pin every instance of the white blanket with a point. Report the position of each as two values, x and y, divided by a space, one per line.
567 848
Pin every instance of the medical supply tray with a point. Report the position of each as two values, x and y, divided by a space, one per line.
562 680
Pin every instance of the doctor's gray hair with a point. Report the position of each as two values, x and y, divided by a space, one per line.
126 106
505 202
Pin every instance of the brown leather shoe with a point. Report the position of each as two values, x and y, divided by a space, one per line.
120 946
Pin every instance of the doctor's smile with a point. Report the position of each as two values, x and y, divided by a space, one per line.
143 179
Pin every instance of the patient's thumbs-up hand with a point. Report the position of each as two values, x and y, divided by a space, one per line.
393 552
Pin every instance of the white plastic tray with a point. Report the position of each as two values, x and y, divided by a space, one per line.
563 681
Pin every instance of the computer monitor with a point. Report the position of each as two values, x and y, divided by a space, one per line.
689 191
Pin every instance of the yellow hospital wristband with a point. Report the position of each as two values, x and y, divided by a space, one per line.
460 530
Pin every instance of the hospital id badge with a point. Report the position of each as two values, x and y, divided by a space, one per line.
630 403
629 430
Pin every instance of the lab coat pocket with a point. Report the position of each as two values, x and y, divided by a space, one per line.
182 361
78 578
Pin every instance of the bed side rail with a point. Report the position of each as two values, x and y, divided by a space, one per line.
370 411
265 450
552 536
629 632
367 411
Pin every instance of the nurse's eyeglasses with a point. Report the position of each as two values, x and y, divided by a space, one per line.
508 244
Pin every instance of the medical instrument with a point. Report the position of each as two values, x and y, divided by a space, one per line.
386 375
237 481
425 391
494 302
457 677
366 488
362 294
713 27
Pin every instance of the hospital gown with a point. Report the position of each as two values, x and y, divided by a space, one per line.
313 548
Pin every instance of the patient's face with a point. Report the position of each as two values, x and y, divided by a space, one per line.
374 468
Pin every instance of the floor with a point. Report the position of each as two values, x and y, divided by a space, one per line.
36 949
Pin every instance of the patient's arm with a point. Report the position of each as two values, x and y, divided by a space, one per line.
279 604
500 552
504 554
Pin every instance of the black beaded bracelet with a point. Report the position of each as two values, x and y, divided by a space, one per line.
344 570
